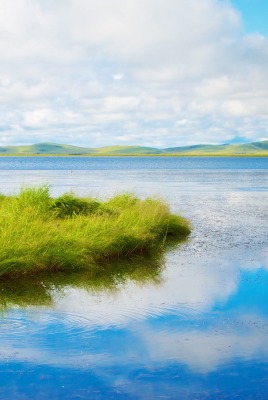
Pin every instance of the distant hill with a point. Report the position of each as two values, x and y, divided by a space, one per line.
44 148
255 148
230 149
122 150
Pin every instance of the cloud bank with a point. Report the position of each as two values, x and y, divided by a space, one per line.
149 72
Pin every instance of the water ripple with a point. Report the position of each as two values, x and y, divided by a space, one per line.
44 323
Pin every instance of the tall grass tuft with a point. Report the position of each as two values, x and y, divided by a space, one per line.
38 232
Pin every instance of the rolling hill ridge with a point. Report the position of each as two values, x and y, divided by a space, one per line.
255 148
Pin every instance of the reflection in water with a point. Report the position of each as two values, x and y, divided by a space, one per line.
191 326
42 289
117 338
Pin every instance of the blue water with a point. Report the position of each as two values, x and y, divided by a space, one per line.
196 330
130 163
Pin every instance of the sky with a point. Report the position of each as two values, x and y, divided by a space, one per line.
156 73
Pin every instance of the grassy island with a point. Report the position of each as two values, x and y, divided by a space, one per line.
41 233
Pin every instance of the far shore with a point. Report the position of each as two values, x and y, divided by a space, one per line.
135 155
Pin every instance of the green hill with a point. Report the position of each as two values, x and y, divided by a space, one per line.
255 148
53 148
225 149
45 148
196 149
122 150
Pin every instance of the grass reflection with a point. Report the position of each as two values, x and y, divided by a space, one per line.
41 289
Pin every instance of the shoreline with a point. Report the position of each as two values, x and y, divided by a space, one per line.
252 155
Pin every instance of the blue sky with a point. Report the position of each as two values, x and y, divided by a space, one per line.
148 72
254 14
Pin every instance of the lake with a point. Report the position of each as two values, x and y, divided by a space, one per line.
192 324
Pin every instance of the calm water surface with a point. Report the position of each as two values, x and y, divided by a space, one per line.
193 325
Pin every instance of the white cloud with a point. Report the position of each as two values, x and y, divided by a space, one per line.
201 350
206 350
139 63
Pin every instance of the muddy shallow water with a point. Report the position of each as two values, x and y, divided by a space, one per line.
190 325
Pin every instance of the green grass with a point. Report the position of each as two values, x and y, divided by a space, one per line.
40 233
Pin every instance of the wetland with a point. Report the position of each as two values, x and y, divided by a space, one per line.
190 322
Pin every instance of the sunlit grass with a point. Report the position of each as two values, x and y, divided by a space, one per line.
38 232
